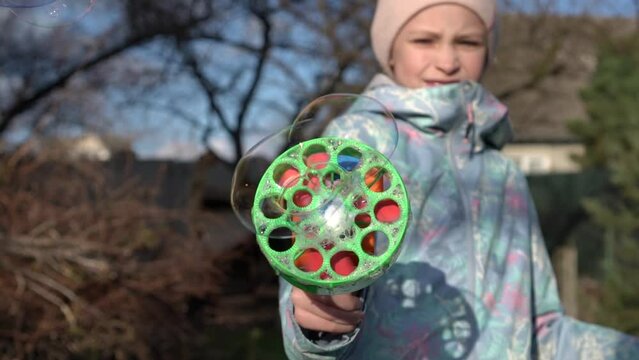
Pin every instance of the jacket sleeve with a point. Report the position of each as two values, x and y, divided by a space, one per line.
558 336
297 342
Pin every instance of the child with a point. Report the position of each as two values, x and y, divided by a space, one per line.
473 279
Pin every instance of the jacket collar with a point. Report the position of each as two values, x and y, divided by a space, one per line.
465 108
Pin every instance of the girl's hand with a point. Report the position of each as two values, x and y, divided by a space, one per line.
335 314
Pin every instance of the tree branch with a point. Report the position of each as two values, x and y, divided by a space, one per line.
211 90
139 38
262 16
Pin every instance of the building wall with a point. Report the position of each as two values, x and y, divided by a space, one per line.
544 158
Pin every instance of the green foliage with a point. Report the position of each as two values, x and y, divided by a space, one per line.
612 104
252 343
611 137
619 306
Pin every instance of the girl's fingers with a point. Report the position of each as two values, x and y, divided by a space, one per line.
346 302
310 311
311 321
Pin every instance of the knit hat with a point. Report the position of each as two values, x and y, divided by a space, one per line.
391 15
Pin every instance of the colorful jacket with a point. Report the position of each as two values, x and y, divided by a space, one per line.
473 279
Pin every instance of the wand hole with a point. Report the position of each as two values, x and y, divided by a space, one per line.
349 158
377 179
273 208
375 243
344 262
387 211
286 175
331 180
310 260
302 198
281 239
363 220
316 157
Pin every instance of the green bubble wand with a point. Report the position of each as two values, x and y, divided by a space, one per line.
329 213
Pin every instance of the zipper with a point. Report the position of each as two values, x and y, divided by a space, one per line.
467 208
467 211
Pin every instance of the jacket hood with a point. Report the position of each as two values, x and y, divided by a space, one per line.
466 105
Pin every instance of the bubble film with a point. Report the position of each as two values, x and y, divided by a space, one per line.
24 3
49 13
329 213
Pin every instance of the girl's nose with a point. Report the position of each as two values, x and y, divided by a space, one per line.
448 60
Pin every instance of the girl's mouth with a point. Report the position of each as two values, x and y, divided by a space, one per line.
431 83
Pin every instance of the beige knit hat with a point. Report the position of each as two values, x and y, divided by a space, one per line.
391 15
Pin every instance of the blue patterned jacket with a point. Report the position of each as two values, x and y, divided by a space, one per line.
473 279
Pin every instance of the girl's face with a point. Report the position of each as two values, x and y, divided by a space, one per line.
441 44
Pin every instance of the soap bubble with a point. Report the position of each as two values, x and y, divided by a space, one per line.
49 13
314 159
322 208
24 3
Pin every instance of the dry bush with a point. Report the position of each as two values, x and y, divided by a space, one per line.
89 268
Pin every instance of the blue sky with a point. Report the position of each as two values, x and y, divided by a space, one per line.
600 7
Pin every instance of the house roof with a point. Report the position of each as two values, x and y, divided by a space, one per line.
542 100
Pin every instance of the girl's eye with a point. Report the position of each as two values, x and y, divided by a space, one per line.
472 43
424 41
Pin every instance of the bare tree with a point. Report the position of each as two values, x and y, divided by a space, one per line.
191 42
43 71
